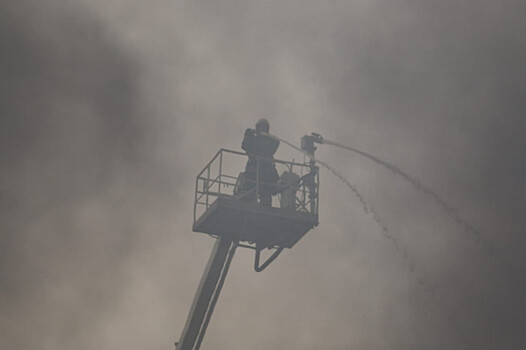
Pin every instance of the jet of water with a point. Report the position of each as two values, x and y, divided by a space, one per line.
369 210
450 210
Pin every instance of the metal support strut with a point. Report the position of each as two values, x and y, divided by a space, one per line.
270 259
207 294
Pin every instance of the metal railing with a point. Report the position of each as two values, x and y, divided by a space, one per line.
224 177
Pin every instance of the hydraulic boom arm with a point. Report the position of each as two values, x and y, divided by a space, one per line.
207 294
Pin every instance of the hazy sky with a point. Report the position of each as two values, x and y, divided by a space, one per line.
110 108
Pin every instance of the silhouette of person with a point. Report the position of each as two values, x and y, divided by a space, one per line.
261 147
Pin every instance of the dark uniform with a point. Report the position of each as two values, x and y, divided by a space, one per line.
260 146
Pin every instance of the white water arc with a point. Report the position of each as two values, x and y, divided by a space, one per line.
401 250
451 211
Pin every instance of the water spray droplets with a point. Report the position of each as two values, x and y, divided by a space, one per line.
369 210
451 211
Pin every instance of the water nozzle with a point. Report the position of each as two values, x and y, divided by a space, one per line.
308 141
317 137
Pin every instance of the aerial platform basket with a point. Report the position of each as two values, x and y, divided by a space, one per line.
226 201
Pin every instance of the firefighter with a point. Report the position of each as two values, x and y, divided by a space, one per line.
261 147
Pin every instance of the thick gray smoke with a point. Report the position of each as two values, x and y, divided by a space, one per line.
110 108
78 180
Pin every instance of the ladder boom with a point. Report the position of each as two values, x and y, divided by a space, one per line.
207 294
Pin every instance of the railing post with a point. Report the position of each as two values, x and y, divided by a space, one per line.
195 197
317 190
312 187
207 184
257 178
220 172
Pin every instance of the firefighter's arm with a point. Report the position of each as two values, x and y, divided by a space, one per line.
275 146
247 140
